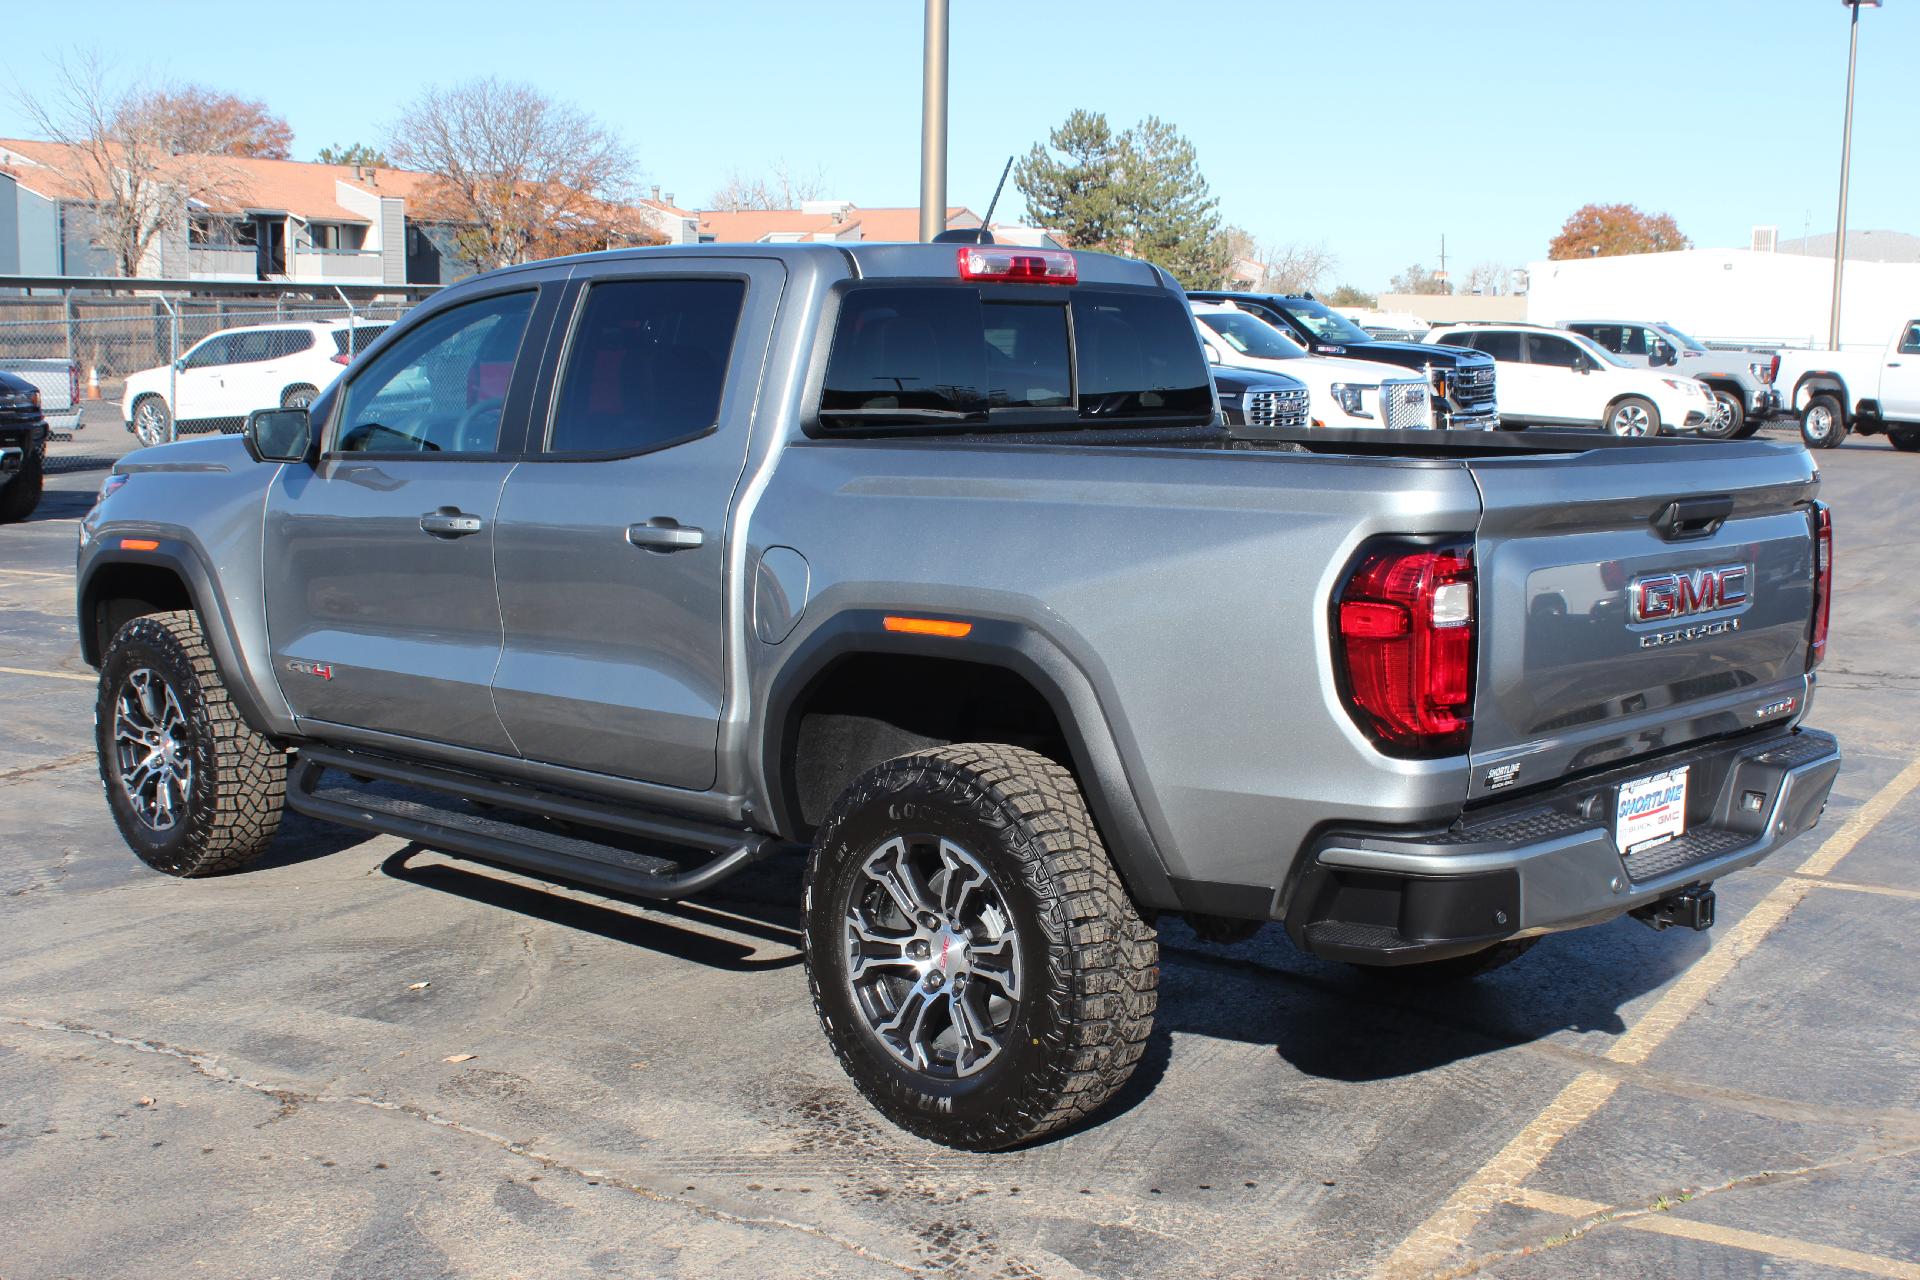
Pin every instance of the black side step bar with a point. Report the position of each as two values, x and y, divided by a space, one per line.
441 821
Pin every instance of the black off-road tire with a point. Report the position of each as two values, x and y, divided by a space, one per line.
1090 963
298 396
239 776
1441 973
20 494
1734 426
1905 439
1835 420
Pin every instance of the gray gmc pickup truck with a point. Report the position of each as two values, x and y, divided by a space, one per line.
632 569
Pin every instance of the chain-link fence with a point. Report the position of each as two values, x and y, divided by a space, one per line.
80 349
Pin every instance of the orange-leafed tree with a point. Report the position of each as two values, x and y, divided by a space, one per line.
195 120
1602 230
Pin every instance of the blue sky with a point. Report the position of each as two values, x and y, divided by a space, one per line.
1370 127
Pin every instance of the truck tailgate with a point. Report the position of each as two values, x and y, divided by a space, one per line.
1615 625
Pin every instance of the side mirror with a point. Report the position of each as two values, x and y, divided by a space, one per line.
278 435
180 365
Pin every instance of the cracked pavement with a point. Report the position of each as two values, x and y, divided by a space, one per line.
268 1074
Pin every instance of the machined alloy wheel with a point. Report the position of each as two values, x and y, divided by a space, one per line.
1727 417
194 789
976 964
932 961
298 397
150 420
153 754
1634 417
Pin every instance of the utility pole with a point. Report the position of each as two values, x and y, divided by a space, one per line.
933 124
1441 275
1846 160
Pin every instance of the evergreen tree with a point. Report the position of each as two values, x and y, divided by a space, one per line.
1139 193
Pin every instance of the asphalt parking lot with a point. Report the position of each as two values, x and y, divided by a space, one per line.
363 1059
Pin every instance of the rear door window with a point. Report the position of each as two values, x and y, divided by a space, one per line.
1501 345
647 365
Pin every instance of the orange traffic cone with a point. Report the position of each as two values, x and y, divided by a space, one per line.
93 382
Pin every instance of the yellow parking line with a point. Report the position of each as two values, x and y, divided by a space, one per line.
36 573
1446 1230
1664 1223
1854 886
47 675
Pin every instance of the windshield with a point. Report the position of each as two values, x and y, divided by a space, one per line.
1324 324
1691 344
1251 337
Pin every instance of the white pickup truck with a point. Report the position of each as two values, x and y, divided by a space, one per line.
1872 392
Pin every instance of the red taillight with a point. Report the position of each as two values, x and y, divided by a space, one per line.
1822 582
1025 266
1404 637
1773 369
342 358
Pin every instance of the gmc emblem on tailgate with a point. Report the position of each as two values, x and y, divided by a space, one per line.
1661 597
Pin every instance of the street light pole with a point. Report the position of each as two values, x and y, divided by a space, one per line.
933 124
1846 160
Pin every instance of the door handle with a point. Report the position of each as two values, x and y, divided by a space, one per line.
664 534
450 522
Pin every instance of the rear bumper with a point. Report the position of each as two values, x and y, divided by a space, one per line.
1549 862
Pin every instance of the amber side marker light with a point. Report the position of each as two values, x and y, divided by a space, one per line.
928 627
139 544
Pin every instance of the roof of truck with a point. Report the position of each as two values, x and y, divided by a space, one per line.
869 259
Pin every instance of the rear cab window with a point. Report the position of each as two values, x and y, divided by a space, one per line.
908 356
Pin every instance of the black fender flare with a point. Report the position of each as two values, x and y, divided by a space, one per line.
1817 381
1015 647
183 561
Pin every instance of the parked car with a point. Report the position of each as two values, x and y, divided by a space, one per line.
227 375
1255 403
58 382
1343 393
1464 394
1741 381
826 546
23 448
1550 377
1836 393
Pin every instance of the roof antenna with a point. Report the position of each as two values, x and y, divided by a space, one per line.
982 234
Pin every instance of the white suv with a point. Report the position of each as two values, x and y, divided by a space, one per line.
1550 377
227 375
1341 392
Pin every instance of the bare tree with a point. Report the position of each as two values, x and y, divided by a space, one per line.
520 174
121 159
1274 268
782 189
1488 278
1417 279
197 120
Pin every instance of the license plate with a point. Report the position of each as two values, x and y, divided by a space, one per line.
1650 810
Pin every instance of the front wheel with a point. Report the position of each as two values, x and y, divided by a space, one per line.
151 420
1728 418
976 964
193 788
1633 416
297 397
1905 439
1823 423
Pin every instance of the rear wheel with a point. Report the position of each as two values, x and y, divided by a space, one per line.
1728 418
1440 973
976 964
151 420
1905 439
193 788
1633 416
1823 424
21 494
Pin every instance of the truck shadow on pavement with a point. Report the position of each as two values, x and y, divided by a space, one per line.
742 931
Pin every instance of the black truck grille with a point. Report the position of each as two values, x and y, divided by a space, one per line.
1473 386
